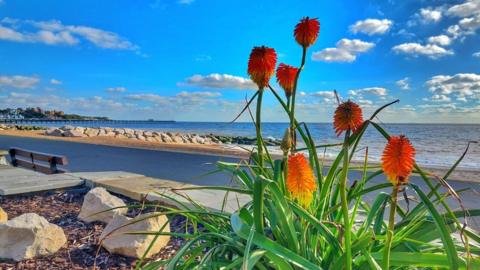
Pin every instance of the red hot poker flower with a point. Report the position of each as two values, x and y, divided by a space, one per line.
398 159
286 77
261 65
348 116
306 31
300 179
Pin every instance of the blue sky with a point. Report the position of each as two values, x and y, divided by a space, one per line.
186 60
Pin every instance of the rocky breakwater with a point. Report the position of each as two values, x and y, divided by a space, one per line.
155 136
19 127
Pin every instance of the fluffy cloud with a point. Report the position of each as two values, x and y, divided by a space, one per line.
378 91
442 40
371 26
469 8
55 82
56 33
118 89
224 81
469 11
477 54
346 50
324 94
18 81
461 85
415 49
429 15
440 98
403 83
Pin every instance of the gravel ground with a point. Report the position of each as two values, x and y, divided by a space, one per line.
62 209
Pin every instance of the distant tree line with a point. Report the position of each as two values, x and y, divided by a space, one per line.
39 113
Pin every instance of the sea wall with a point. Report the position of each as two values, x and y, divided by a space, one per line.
154 136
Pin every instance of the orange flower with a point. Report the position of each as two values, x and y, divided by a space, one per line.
348 116
398 159
306 31
261 65
286 77
300 179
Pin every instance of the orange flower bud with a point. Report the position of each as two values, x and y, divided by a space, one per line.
398 159
261 65
348 116
306 31
286 77
300 179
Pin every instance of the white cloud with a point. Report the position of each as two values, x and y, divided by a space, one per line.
55 82
442 40
203 58
429 15
371 26
180 99
477 54
118 89
470 24
404 83
346 50
415 49
440 98
18 81
461 85
56 33
378 91
324 94
216 80
468 8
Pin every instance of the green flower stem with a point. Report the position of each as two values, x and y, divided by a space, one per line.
294 94
391 223
258 126
343 197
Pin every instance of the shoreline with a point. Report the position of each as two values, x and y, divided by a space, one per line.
225 150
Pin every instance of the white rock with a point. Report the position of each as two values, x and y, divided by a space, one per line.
28 236
102 132
148 134
166 138
117 242
54 132
91 132
98 200
129 131
177 139
199 140
3 216
73 133
140 137
67 127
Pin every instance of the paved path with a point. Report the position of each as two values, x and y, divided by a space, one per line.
181 167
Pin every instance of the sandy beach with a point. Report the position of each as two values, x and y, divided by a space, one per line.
224 150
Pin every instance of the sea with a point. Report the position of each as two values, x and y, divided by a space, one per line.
438 145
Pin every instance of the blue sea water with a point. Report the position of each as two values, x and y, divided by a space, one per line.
436 144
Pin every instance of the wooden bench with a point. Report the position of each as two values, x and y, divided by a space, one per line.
37 161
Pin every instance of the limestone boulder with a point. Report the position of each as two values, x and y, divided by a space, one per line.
3 216
54 132
166 138
73 133
116 240
91 132
98 205
29 236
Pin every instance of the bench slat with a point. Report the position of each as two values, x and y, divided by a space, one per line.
37 167
61 160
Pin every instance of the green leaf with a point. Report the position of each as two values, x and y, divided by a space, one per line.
444 231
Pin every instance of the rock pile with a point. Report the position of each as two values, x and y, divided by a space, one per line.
155 136
20 127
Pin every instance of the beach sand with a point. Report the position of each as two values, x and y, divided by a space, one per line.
226 150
